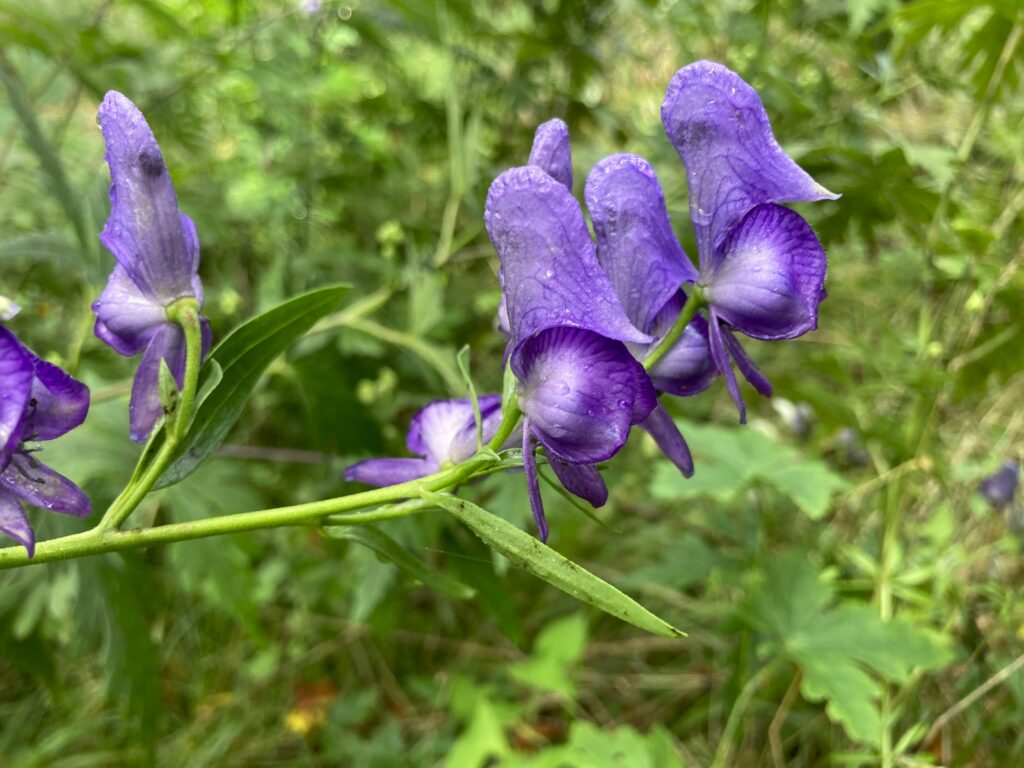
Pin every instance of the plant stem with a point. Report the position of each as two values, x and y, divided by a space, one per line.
186 314
693 304
99 541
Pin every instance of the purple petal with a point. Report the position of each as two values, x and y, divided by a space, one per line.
581 480
666 434
581 392
145 232
768 277
59 403
40 486
721 358
381 472
747 366
550 271
15 391
635 243
445 430
687 368
551 152
126 318
718 125
14 523
533 481
999 488
145 408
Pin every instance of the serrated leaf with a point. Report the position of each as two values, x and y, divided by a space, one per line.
394 552
547 564
240 360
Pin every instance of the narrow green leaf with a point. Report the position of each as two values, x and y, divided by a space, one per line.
169 393
547 564
239 361
462 360
391 550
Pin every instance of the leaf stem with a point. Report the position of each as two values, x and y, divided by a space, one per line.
693 304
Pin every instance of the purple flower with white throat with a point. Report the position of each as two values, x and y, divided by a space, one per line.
442 434
580 389
157 252
38 402
761 268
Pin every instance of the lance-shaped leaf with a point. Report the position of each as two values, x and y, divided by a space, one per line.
240 360
545 563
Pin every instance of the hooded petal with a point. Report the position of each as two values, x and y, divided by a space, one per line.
145 231
381 472
581 480
550 271
40 486
687 368
14 523
666 434
59 403
635 243
581 393
718 124
15 391
445 430
768 277
551 151
145 408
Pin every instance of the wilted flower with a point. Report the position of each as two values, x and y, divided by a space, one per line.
999 488
441 433
580 389
157 252
38 402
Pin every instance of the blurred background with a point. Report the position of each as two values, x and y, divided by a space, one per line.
850 596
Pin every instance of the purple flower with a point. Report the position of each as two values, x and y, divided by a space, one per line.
580 389
38 402
999 488
157 252
442 433
761 268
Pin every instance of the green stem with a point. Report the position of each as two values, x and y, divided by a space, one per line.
693 304
99 541
186 314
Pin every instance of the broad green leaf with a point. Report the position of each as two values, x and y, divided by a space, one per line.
845 652
240 360
481 742
556 653
394 552
592 747
547 564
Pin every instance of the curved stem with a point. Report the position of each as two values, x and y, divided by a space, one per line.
693 304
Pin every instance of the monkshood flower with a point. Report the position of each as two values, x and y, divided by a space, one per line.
580 389
38 402
157 252
999 488
761 268
442 433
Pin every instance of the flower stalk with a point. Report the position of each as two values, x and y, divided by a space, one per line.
694 302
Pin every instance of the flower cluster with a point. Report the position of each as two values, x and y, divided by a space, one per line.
598 330
38 402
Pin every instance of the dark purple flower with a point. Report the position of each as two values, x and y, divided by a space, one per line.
38 402
999 488
441 433
580 389
157 252
762 269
